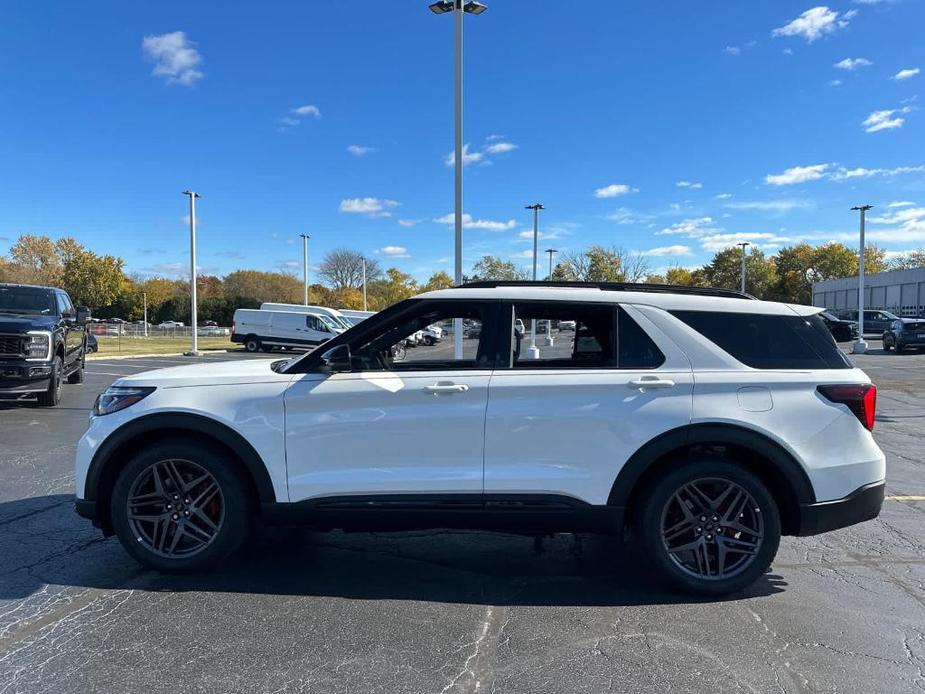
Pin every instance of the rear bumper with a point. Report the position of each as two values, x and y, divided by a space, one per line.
860 505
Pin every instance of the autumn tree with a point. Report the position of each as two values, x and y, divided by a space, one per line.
725 271
490 267
263 286
438 280
906 261
36 260
394 287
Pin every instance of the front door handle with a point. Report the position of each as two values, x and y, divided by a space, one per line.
650 382
446 387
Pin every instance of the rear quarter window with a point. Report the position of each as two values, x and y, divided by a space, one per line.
769 341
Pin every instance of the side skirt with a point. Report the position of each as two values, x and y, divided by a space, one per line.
531 513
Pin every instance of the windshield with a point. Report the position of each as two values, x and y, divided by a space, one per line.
329 322
343 322
26 300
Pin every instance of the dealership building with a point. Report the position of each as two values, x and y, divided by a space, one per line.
901 292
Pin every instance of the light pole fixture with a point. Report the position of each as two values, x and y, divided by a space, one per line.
550 251
744 245
860 346
305 238
458 8
536 207
194 322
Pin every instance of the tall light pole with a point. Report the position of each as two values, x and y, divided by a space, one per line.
458 8
194 351
364 284
144 296
534 351
550 251
860 346
305 238
744 245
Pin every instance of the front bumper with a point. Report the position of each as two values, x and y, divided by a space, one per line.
860 505
19 377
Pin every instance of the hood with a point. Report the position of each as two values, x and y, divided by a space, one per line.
16 323
208 374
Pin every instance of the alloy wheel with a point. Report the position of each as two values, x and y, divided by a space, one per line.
712 528
175 508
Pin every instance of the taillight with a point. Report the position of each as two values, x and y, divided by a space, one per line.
860 399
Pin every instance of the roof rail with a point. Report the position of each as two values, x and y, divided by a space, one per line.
612 287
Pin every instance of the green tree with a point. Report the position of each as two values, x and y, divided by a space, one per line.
725 270
91 279
491 268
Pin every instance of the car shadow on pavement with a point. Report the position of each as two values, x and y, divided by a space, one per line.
42 542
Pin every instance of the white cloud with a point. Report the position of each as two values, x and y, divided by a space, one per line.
360 150
815 23
394 251
408 222
500 147
906 73
835 83
844 174
901 203
525 254
470 223
373 207
724 196
688 184
904 215
614 190
797 174
527 235
467 157
662 251
307 110
732 50
852 63
885 120
781 206
694 227
718 242
174 56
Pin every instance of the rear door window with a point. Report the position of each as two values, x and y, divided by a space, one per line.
769 341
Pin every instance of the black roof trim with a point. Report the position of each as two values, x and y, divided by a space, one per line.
612 287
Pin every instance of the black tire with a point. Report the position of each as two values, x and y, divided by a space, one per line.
233 524
429 341
252 343
655 512
886 346
52 396
77 376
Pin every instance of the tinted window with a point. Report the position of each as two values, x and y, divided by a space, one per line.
768 341
635 347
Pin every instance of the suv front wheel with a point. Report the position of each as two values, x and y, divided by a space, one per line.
711 527
179 507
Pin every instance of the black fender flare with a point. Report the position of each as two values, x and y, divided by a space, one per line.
693 434
179 422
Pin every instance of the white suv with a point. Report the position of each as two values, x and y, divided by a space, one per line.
705 421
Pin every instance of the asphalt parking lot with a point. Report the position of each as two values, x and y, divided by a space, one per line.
448 611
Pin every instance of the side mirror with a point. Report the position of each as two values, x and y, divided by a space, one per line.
83 315
337 359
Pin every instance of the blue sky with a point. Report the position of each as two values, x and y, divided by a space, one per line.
672 129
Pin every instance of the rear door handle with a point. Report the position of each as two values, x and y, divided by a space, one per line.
650 382
446 387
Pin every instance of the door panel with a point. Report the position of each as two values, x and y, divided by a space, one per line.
570 432
386 432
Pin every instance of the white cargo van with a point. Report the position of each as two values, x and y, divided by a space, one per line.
332 313
260 329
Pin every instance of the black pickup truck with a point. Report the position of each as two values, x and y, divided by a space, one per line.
43 341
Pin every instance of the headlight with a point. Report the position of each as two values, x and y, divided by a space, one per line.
117 398
38 345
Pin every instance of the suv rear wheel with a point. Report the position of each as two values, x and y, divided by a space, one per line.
179 507
710 527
